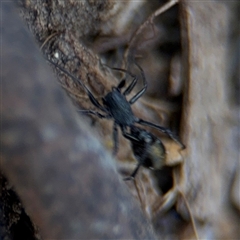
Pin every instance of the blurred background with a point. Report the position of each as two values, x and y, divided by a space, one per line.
59 179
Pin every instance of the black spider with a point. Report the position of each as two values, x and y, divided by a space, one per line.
148 150
115 106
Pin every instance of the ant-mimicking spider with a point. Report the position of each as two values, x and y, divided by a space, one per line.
147 148
115 106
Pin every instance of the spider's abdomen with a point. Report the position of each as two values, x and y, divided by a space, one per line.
148 150
119 108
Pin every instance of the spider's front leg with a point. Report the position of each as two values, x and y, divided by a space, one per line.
95 113
143 90
131 85
78 81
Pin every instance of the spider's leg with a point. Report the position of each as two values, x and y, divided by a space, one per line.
94 113
131 85
128 135
141 92
162 129
121 84
132 176
90 95
137 96
115 139
94 100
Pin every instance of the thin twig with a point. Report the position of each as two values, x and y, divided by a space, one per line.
47 39
150 19
190 213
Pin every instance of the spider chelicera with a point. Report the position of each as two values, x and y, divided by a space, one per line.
115 106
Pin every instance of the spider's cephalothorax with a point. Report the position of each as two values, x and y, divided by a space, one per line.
115 106
118 106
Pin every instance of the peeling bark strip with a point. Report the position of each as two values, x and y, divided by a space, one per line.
210 119
62 174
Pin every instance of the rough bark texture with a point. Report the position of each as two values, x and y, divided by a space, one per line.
211 116
63 175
